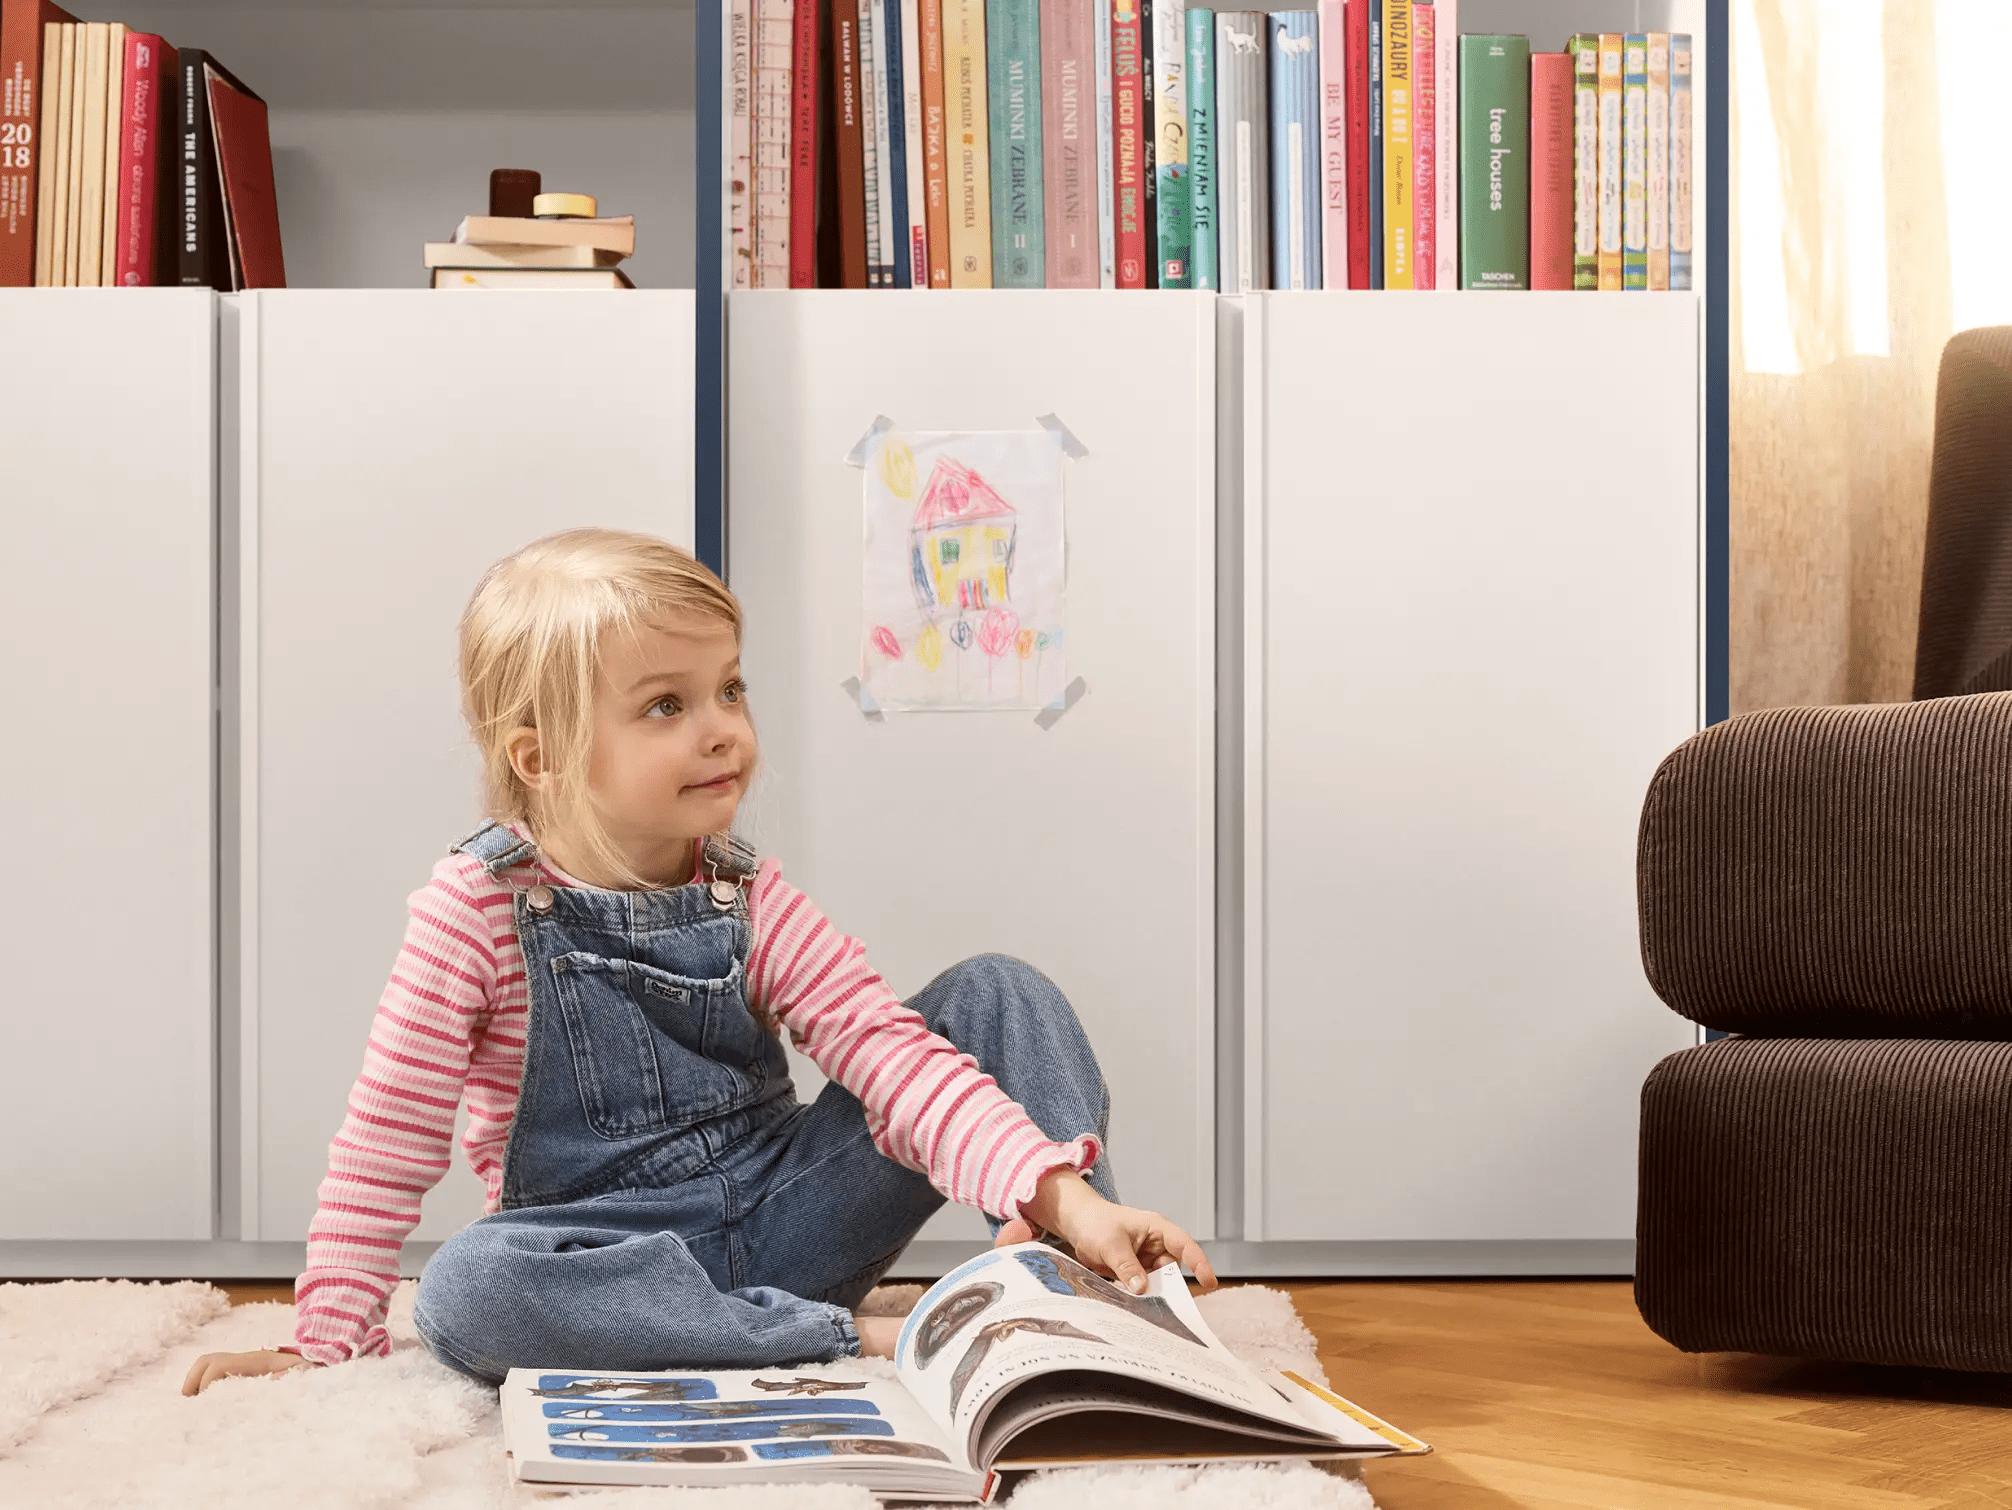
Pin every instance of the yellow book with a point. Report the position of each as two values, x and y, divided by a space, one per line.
45 155
115 99
1610 160
62 266
969 142
91 171
1397 166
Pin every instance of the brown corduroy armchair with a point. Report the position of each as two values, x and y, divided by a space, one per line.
1833 886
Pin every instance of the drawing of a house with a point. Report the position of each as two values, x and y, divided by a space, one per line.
961 543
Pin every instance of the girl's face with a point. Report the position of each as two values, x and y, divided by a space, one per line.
674 749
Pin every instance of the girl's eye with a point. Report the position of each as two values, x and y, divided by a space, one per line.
670 704
736 691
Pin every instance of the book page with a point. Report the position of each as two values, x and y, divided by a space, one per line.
1019 1312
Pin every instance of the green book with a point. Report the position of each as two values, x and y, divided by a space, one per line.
1494 161
1585 52
1635 161
1202 145
1013 91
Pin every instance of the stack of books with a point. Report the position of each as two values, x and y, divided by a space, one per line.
124 163
535 251
1152 144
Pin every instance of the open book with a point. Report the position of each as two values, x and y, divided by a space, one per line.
1021 1358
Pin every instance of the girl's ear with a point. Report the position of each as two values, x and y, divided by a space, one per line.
522 747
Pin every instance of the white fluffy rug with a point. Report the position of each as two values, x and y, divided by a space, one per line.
92 1415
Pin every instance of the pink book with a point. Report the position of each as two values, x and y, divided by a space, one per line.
1551 170
1069 141
1333 145
136 194
1424 149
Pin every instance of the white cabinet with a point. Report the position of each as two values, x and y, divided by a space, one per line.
1086 847
107 497
387 447
1471 581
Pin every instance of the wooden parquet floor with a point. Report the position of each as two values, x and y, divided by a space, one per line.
1552 1395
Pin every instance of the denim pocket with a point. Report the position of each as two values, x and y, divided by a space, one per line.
653 1052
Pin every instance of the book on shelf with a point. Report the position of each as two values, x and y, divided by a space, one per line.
1172 176
1551 170
1375 8
1202 166
1149 147
1243 246
1356 51
1634 161
740 142
804 123
935 145
516 254
146 140
891 138
1658 173
1333 145
1295 150
608 233
1424 145
1494 168
250 211
1585 51
848 141
1013 90
1107 148
774 42
1445 143
530 277
1128 130
1397 163
1068 138
873 148
29 69
912 256
970 144
1680 161
1608 255
1020 1359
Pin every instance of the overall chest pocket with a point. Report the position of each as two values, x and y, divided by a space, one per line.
653 1051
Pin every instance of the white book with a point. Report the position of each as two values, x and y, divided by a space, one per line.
774 28
1170 125
870 145
1331 32
1107 210
740 145
916 247
1446 144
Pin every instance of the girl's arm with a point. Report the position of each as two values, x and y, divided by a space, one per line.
397 1139
928 1105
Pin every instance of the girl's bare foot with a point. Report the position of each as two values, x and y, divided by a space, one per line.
878 1335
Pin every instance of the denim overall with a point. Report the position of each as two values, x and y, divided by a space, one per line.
667 1201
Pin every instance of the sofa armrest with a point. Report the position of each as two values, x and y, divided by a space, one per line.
1835 872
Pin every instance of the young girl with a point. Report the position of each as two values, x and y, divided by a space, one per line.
604 972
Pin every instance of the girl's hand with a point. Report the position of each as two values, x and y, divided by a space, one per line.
1120 1242
214 1366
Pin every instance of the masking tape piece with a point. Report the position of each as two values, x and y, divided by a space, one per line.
863 447
1067 699
1064 437
856 692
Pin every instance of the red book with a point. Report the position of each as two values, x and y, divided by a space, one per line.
1424 149
935 144
21 23
244 164
848 144
1069 141
1128 176
1356 20
803 145
150 70
1550 170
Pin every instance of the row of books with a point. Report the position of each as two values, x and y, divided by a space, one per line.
124 163
533 240
1148 143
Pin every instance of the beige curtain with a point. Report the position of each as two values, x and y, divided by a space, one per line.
1829 466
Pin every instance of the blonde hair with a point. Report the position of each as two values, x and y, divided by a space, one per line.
531 639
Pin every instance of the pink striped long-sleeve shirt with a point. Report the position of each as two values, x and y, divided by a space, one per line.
452 1022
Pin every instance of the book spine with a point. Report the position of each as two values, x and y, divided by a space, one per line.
91 221
1173 191
1376 132
873 143
894 149
1397 163
774 35
1244 246
115 115
63 88
1355 21
740 167
1680 161
1658 182
1068 139
970 147
1107 151
1550 170
1149 176
40 150
1494 171
1127 100
79 69
803 144
1446 144
139 161
1609 251
1203 217
27 121
915 250
935 143
1585 50
1295 150
1333 144
1635 162
1424 145
848 144
1013 85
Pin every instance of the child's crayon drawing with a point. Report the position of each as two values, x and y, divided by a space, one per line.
964 570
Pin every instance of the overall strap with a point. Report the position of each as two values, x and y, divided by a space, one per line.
735 860
495 846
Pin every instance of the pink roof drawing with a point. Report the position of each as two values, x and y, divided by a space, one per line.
957 495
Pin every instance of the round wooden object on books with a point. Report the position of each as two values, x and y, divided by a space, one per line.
564 207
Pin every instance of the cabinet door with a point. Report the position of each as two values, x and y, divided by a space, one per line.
1087 847
393 444
1471 636
107 493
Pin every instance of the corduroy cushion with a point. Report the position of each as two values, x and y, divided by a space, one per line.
1839 1200
1964 643
1836 872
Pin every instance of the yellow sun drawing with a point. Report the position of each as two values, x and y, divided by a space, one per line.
897 467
